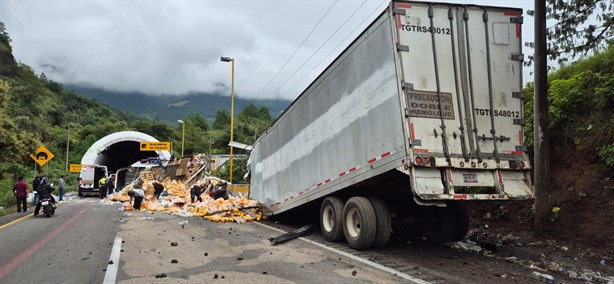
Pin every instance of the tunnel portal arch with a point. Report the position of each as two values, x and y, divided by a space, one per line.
121 149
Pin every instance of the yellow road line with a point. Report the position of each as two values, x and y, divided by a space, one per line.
15 221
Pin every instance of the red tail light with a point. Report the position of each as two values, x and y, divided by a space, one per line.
419 161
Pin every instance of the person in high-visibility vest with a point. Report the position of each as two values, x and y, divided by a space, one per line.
102 187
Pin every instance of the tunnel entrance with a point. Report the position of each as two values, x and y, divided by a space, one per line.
122 154
119 150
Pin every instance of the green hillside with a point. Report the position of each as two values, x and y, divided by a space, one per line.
36 111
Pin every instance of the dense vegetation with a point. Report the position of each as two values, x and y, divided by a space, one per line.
36 111
581 100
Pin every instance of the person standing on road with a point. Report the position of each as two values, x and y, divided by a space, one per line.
61 184
138 195
111 185
36 182
42 183
102 187
21 194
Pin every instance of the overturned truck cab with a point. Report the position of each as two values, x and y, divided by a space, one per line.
422 112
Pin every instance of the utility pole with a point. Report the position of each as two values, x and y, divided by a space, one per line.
210 157
210 147
540 117
67 146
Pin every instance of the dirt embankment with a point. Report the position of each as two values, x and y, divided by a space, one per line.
579 236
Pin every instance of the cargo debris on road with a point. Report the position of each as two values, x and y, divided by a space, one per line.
176 199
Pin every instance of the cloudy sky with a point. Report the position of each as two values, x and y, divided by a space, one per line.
174 47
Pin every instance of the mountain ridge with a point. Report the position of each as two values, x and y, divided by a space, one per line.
171 108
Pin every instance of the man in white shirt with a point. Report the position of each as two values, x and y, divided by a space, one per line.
138 195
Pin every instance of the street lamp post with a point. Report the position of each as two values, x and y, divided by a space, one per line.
232 106
182 134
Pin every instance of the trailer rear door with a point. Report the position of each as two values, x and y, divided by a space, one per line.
462 75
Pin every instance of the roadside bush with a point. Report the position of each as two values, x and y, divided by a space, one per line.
606 153
239 169
12 171
6 193
580 98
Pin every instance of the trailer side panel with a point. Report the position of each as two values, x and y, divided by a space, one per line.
348 119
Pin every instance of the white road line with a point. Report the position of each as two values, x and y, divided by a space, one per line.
109 277
356 258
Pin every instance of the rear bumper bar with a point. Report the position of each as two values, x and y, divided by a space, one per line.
432 197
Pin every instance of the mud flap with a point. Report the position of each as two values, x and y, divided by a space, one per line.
428 181
516 184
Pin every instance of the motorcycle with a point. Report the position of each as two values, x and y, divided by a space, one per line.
46 202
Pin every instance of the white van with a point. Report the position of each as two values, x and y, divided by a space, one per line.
89 177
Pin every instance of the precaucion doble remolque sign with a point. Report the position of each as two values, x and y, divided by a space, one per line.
427 104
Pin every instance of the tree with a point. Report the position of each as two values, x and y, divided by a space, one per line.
157 129
4 36
222 120
581 27
196 137
197 120
251 122
8 65
239 169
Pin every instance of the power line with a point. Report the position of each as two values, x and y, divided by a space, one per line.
297 49
323 58
299 68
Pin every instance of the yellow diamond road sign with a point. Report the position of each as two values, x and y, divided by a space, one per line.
41 156
155 146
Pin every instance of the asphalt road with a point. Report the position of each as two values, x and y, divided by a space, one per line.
89 241
76 246
70 247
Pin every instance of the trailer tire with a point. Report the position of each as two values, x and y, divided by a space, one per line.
461 217
439 226
331 219
384 226
359 222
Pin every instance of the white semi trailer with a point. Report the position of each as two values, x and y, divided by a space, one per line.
423 111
